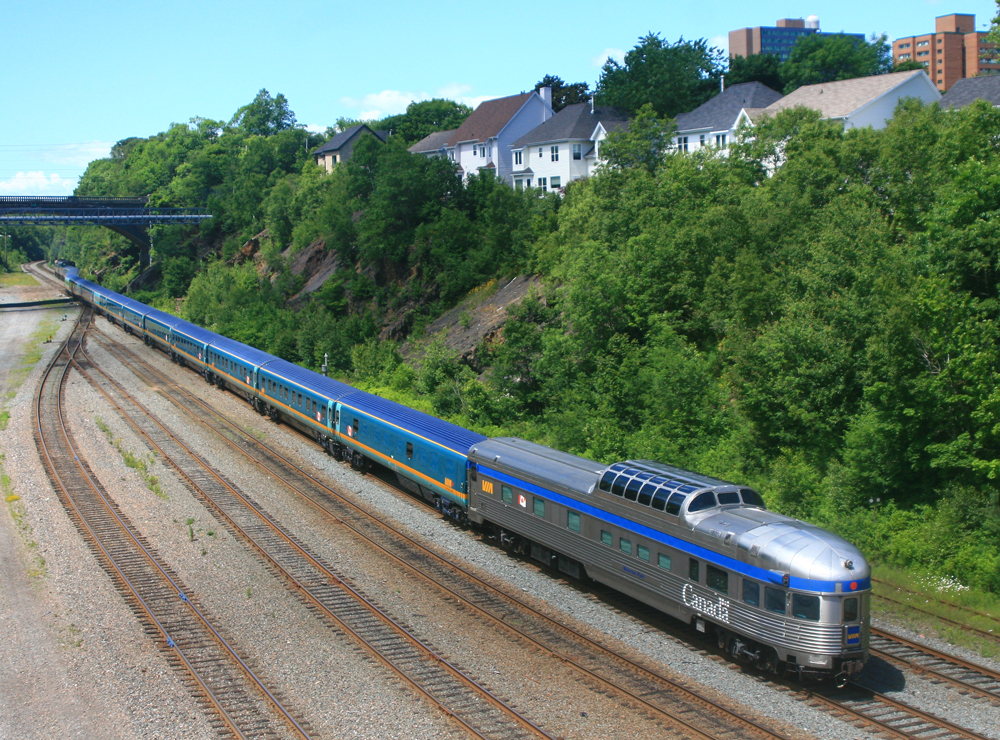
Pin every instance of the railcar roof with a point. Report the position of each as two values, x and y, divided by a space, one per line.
446 434
244 352
327 387
93 287
538 463
162 317
195 332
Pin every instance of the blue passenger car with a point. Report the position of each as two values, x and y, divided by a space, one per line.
189 344
302 397
157 325
429 455
234 365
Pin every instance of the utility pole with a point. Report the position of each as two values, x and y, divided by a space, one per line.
6 264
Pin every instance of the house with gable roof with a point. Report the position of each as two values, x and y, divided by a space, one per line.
483 140
565 147
715 122
970 89
862 101
433 145
341 146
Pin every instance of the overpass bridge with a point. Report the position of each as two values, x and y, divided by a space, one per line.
130 217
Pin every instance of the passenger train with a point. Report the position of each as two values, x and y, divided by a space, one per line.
777 592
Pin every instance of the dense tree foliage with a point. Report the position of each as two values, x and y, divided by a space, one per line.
814 312
819 58
564 93
423 118
673 78
763 68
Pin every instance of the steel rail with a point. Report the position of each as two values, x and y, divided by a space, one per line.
953 623
304 588
207 691
981 673
648 673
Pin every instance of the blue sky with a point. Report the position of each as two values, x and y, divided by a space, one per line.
77 76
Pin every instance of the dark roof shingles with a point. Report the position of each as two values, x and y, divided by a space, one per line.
719 113
574 122
969 90
488 119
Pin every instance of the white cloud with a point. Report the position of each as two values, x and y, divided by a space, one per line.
392 102
76 155
720 42
37 183
617 54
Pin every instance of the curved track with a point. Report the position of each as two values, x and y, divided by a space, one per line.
472 706
653 693
241 704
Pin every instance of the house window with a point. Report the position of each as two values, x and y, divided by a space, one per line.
923 43
907 46
554 152
527 183
720 141
543 183
904 56
556 182
518 184
701 141
682 143
577 151
517 157
539 152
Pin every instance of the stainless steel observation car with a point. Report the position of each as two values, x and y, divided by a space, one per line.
776 591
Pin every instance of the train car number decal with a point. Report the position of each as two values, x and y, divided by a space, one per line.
718 609
853 634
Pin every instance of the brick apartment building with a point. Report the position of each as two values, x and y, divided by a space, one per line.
953 52
775 39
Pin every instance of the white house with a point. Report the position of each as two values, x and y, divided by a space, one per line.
564 148
714 122
862 101
483 140
433 145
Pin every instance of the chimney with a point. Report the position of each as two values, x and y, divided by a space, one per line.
722 83
591 105
546 93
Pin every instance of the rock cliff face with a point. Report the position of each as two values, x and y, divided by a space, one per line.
316 266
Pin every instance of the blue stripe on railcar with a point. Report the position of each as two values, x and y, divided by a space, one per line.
425 449
751 571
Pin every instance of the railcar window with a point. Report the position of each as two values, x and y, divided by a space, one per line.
752 498
805 607
751 593
729 497
539 506
687 489
632 490
606 480
618 487
675 503
774 600
625 545
643 552
663 561
693 569
356 428
716 579
646 494
473 471
507 494
660 499
606 538
409 455
850 610
572 521
702 501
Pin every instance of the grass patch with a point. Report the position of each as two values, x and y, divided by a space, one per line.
12 279
942 597
19 513
140 464
32 355
4 419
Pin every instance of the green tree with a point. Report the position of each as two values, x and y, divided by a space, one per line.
643 145
673 78
265 116
424 118
763 68
564 93
826 58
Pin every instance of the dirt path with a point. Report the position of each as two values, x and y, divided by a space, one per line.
38 696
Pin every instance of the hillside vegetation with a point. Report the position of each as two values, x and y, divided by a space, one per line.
825 330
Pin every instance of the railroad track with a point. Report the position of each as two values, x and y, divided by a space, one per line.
240 704
658 696
967 677
466 701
